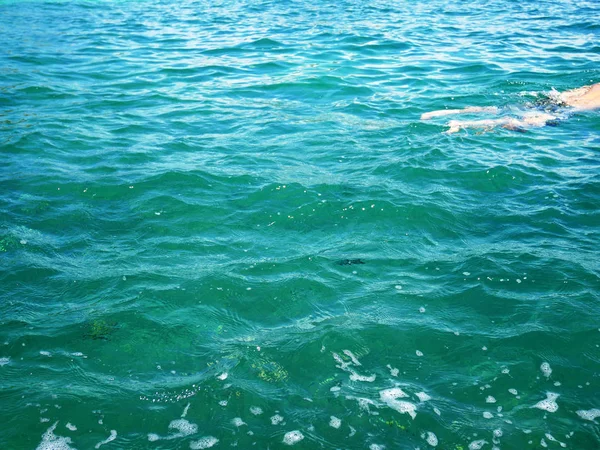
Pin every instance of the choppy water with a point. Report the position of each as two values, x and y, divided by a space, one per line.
223 223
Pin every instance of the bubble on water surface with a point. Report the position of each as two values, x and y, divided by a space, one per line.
487 415
256 410
71 427
223 376
4 361
490 399
203 442
513 391
292 437
419 353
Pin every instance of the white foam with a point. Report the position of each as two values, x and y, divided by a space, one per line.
390 398
112 437
419 353
4 361
490 399
183 427
238 422
498 433
476 445
513 391
357 377
393 371
223 376
334 422
549 404
376 447
153 437
352 431
437 411
431 439
50 441
71 427
292 437
45 353
256 410
354 359
276 419
204 442
185 410
223 403
546 369
590 414
422 396
487 415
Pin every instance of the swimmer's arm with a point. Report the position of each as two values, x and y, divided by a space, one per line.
452 112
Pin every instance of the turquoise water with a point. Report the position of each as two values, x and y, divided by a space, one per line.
223 223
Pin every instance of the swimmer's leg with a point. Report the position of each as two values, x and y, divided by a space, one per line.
469 110
489 124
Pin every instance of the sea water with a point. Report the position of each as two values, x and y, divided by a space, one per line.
223 223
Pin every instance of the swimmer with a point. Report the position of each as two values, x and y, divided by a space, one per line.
544 112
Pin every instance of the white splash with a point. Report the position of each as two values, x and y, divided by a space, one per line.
256 410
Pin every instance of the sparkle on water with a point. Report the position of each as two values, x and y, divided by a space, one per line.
224 224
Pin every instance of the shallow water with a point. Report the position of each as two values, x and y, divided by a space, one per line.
223 223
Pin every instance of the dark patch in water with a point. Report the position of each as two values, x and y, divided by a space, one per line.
350 262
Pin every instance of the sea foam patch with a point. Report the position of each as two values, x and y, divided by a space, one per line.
390 398
204 442
549 404
590 414
51 441
292 437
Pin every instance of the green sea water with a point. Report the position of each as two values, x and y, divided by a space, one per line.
223 224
